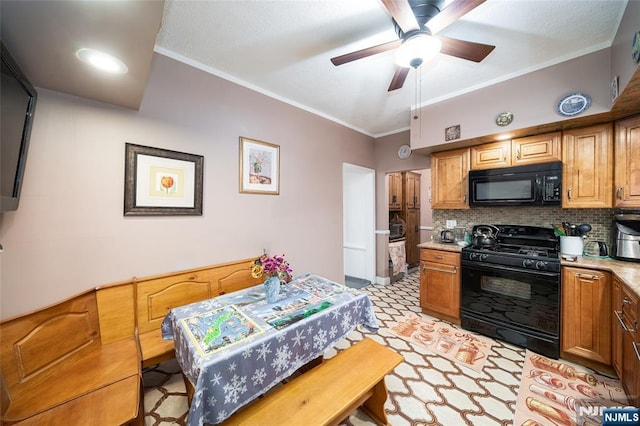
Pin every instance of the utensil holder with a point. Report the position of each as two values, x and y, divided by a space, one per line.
571 245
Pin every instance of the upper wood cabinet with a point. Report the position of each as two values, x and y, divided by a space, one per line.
627 163
395 191
449 177
536 149
587 173
412 190
491 155
530 150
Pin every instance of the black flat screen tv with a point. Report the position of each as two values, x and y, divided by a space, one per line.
17 106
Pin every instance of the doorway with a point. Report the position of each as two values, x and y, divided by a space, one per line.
358 224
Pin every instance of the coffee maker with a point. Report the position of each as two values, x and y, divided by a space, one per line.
626 234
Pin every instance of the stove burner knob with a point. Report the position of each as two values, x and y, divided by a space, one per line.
473 256
541 265
528 263
484 257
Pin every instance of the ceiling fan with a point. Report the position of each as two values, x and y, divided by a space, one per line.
417 22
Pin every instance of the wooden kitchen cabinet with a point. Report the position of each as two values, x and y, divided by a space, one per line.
490 155
395 191
440 284
627 163
449 177
587 167
626 339
586 317
616 329
412 190
517 152
536 149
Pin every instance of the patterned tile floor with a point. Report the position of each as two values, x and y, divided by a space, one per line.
426 389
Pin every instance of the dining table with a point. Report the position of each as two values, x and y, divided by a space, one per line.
235 347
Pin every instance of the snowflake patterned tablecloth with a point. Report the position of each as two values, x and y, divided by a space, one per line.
312 315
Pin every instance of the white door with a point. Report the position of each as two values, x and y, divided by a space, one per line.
358 204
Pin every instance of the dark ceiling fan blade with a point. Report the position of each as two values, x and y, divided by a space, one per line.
401 12
398 78
451 13
369 51
463 49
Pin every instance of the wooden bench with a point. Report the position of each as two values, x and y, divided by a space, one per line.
156 295
59 368
328 393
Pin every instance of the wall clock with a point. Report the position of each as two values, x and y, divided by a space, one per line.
404 152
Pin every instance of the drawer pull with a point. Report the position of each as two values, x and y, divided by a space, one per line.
430 268
438 256
623 325
589 276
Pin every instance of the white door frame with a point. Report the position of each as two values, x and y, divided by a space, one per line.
358 210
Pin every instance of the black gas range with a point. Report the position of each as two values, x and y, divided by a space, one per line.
522 247
511 287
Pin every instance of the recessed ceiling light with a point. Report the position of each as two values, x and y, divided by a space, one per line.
102 61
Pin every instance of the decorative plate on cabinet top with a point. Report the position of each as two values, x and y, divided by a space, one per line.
504 119
573 104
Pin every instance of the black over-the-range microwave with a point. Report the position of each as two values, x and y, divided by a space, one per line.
530 185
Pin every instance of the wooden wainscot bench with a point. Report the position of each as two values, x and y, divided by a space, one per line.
58 368
328 393
155 296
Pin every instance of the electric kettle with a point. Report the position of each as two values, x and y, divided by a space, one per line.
596 248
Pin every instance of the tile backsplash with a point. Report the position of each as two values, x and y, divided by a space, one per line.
599 219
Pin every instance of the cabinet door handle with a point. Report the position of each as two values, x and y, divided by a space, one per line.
464 198
393 199
518 154
635 348
619 193
626 300
570 194
623 325
591 277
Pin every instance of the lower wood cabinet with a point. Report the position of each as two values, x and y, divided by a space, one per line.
440 284
586 317
626 339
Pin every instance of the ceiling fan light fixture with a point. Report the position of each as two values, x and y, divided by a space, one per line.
417 49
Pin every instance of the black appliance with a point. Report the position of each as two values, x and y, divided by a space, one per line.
17 107
535 184
511 290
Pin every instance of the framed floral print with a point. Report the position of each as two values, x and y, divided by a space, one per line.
259 167
162 182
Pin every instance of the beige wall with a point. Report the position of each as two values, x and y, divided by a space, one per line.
69 232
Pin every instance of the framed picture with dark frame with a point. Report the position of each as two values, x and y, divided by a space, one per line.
259 167
160 182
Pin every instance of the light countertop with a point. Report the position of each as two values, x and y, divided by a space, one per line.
628 272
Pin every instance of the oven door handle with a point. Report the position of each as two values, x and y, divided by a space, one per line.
492 267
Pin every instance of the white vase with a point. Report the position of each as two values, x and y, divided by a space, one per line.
272 289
